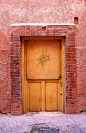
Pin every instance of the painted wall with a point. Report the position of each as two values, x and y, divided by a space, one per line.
41 11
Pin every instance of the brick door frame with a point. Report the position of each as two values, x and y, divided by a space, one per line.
24 30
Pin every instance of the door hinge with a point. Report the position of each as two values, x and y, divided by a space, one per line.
61 84
27 77
59 77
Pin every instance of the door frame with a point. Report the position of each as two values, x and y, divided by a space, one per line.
61 82
67 31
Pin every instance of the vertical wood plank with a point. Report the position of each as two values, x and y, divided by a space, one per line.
59 96
63 75
60 81
25 79
43 95
23 100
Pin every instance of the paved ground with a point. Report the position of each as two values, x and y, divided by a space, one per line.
75 123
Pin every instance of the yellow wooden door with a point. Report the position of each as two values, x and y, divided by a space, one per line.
42 71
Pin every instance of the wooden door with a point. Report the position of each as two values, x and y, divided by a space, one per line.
42 72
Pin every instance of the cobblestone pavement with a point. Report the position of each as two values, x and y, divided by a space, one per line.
67 123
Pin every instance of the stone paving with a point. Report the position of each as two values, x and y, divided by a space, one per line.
67 123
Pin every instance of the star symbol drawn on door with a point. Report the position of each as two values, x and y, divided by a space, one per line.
42 59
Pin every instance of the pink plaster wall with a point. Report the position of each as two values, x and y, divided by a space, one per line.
41 11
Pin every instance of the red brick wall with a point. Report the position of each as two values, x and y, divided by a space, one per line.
46 11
